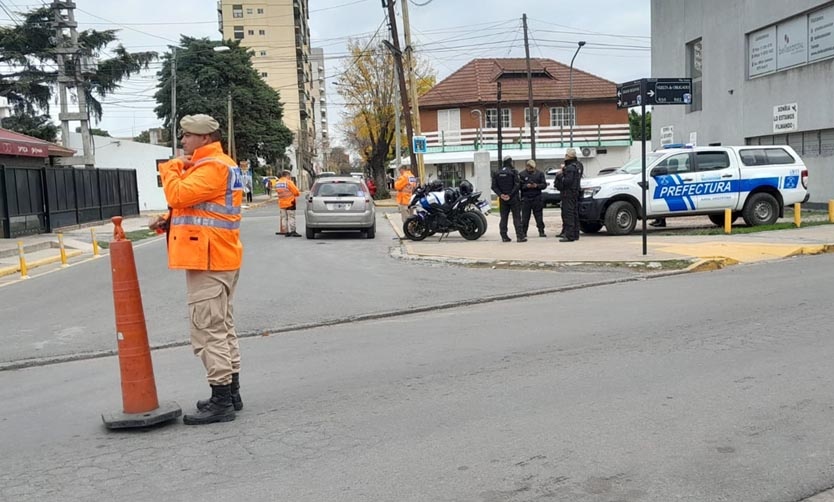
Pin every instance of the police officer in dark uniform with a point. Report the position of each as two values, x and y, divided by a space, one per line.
571 177
505 184
532 184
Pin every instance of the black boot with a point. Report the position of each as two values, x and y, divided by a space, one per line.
220 408
237 402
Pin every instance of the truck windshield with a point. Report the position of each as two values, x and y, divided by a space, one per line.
633 166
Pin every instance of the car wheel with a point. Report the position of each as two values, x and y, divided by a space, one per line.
760 209
370 232
311 233
620 218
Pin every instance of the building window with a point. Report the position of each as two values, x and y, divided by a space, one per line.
238 32
260 11
506 117
535 116
261 32
491 118
237 11
562 116
248 12
264 74
695 65
262 53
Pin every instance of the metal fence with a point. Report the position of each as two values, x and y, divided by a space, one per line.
36 200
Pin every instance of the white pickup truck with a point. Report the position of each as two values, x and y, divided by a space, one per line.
755 182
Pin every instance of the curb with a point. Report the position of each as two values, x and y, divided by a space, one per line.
38 263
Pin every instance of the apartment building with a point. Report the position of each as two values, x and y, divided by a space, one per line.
278 33
319 106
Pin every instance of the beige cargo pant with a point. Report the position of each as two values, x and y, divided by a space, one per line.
213 335
405 212
286 224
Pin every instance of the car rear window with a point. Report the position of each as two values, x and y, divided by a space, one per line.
338 189
765 157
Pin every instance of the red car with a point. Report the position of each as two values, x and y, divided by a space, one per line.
371 186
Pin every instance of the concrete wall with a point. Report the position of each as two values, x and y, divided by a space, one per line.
735 107
125 154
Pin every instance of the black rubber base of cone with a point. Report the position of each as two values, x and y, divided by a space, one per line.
166 412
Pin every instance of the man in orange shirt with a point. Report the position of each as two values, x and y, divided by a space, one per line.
204 190
287 192
405 186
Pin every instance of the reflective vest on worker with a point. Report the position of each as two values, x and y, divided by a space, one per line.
405 186
205 198
286 191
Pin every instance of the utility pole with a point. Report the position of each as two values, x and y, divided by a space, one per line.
397 132
530 108
173 102
412 83
398 61
68 51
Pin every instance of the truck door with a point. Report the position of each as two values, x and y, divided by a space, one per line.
717 185
669 183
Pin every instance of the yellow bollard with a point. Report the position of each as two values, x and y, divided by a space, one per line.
24 272
63 251
728 221
95 242
831 211
797 214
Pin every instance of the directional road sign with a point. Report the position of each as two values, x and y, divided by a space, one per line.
628 94
668 91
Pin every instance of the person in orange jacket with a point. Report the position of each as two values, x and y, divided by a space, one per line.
405 185
287 192
204 190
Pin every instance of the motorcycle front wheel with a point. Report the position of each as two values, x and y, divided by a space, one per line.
472 227
415 228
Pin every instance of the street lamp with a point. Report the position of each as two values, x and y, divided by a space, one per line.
219 48
570 91
480 125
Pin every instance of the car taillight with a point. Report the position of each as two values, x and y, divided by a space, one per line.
805 179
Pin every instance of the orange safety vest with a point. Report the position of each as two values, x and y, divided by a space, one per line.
405 186
205 200
286 191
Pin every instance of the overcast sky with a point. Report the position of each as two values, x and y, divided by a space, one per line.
447 32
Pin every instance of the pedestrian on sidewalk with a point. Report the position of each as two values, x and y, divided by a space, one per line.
287 192
247 180
405 186
204 189
570 179
532 201
506 184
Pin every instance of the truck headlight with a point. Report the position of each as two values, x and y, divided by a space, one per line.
589 192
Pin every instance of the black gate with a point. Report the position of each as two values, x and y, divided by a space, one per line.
38 200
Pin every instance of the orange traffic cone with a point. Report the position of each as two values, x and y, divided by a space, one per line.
139 399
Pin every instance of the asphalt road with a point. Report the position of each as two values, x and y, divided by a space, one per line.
284 282
706 387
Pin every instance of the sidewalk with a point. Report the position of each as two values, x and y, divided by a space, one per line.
43 249
701 251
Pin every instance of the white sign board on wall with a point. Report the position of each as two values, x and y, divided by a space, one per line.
821 34
762 51
792 42
785 118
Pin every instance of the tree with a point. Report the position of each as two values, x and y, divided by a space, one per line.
95 132
635 123
37 126
204 80
29 64
368 86
338 161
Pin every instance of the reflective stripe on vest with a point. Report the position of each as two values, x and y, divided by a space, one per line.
205 222
234 183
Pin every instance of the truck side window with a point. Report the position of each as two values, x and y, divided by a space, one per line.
712 161
677 164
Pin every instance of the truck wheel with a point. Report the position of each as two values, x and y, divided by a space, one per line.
590 227
718 219
760 209
620 218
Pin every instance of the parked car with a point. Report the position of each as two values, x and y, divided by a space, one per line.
340 203
550 195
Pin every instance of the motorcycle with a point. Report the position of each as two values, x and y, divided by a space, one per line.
446 211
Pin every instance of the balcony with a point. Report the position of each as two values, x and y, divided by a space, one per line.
518 138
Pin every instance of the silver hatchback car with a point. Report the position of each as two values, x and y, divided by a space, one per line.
340 203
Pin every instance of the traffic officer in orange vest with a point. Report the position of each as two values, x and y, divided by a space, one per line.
405 186
204 189
286 191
